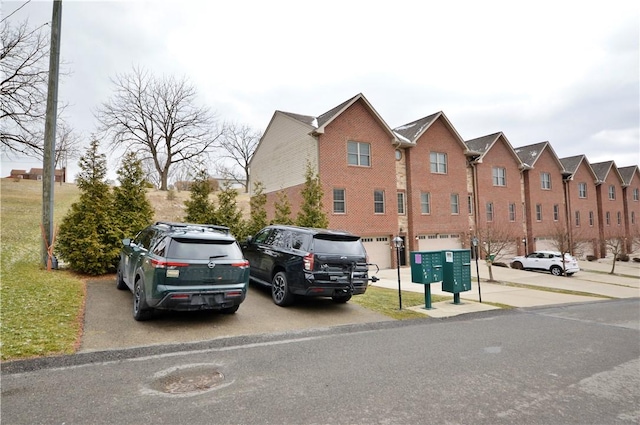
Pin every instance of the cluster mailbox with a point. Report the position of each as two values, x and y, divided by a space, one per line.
451 267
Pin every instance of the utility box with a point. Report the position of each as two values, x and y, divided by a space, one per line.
457 270
426 266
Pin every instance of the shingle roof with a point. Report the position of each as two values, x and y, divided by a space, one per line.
484 143
572 163
414 130
627 173
327 116
601 169
530 154
302 118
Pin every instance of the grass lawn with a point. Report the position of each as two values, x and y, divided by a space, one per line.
385 301
41 311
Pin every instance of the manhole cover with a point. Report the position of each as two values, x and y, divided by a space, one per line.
187 379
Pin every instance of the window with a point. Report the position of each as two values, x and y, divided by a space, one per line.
545 181
499 176
470 204
619 218
512 212
339 204
612 192
401 203
591 218
636 194
577 218
378 201
489 211
633 217
359 154
438 162
556 212
608 218
425 203
582 190
539 212
455 208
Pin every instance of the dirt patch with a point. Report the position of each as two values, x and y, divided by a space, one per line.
173 209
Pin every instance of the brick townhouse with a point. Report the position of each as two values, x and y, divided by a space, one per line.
421 181
610 198
631 198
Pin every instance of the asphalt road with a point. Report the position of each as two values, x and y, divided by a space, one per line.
571 364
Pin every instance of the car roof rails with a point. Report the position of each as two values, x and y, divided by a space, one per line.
195 226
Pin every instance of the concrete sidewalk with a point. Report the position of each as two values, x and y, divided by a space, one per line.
592 283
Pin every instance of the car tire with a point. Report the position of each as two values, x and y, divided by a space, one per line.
141 310
517 265
230 310
280 290
120 281
341 299
556 270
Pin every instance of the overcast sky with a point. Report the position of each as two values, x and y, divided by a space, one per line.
566 72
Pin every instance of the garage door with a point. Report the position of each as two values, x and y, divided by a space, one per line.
438 242
545 244
378 250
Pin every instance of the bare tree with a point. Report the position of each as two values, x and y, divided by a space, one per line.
24 63
237 146
495 240
159 119
566 241
615 244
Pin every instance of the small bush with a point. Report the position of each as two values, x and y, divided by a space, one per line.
622 257
591 258
171 195
636 260
500 264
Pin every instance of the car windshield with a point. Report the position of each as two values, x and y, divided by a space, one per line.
203 249
342 245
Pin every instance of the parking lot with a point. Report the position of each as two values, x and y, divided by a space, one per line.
109 323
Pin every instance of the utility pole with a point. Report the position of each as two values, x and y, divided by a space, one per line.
48 162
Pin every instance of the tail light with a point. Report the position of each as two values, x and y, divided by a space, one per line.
242 264
308 262
158 264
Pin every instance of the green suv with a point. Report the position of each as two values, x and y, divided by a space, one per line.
185 267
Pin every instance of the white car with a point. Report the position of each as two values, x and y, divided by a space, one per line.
546 260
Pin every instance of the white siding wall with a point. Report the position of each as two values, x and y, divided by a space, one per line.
280 160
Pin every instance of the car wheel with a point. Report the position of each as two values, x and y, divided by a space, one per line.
516 265
341 299
280 290
119 280
556 270
141 310
230 310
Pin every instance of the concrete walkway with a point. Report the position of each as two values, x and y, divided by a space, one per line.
592 283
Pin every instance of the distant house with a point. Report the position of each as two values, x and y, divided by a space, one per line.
37 173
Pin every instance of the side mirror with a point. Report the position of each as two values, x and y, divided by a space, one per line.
249 239
126 242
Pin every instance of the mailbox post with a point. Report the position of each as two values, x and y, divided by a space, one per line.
457 272
426 268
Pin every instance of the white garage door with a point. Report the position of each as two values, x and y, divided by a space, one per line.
378 250
545 244
438 242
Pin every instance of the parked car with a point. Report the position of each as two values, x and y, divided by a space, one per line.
183 266
299 261
547 260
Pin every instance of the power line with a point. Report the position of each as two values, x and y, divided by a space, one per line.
9 15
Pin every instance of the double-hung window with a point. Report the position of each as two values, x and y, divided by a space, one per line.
455 204
499 176
539 212
489 211
556 212
339 201
577 218
582 190
545 181
438 163
512 212
636 194
401 203
378 201
612 192
359 153
425 203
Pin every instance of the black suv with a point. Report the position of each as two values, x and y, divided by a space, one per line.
310 262
183 266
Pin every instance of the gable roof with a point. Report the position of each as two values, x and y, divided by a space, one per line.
627 173
482 145
531 153
572 163
325 119
602 169
307 119
412 131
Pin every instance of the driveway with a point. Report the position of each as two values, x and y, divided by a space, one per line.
109 324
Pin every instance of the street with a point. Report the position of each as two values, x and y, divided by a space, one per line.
577 363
